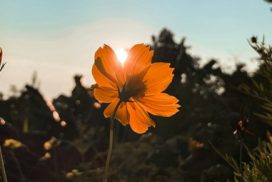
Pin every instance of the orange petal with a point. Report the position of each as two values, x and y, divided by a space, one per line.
160 104
108 112
158 77
101 79
122 114
105 94
139 119
139 57
108 64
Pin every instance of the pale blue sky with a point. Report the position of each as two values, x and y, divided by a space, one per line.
58 38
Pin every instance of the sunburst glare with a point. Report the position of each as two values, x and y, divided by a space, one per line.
121 55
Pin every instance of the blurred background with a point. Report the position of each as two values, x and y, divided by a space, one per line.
58 38
52 129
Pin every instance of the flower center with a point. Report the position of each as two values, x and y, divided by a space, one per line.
134 87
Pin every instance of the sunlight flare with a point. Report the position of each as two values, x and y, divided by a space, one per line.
121 54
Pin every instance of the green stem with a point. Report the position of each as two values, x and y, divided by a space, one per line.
110 142
241 158
3 171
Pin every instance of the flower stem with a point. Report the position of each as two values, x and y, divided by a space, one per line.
241 158
3 171
110 142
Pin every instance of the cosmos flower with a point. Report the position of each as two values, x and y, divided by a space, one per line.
134 87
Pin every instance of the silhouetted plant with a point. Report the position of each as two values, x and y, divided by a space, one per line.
261 86
177 150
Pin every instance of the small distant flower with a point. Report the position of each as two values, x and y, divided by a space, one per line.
12 143
134 87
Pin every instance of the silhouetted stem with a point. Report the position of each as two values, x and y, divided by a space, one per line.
3 171
2 66
241 158
110 143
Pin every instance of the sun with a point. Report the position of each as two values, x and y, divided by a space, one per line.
121 54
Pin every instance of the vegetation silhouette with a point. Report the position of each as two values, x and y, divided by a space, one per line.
66 140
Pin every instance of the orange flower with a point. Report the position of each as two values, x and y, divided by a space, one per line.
134 88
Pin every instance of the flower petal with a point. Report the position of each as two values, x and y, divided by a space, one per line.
122 114
101 79
105 94
139 119
108 112
158 77
139 57
108 64
160 104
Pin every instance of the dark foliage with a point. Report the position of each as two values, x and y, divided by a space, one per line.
67 140
269 1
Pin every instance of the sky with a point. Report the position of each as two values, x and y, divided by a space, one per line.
58 38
